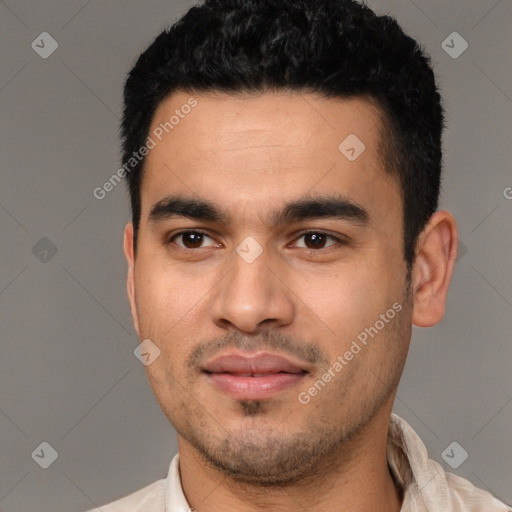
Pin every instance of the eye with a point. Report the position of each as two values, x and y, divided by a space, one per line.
315 240
191 240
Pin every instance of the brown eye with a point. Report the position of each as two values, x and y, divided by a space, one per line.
314 240
191 240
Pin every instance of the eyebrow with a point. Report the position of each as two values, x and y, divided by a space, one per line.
324 207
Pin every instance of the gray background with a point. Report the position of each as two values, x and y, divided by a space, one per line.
68 373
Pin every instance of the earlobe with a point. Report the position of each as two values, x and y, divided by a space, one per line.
433 268
130 280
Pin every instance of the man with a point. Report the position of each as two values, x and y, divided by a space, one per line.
283 160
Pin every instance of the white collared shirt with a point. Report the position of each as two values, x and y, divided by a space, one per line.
426 486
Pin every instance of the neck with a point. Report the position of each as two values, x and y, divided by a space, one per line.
354 478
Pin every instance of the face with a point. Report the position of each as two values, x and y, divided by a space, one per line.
260 237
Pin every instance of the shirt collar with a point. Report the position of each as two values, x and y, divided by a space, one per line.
409 464
175 500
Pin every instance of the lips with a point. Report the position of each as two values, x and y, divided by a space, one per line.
255 366
255 377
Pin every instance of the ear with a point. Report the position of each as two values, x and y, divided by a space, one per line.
436 251
130 281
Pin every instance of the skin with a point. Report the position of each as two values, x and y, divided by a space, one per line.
250 155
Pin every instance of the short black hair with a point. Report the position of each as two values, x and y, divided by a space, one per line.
336 48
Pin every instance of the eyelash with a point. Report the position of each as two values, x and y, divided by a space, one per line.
338 241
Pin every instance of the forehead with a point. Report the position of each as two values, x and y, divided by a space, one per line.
266 147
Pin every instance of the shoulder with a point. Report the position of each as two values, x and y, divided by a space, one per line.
474 498
148 499
427 485
454 493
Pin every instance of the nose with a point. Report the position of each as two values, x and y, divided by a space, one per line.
252 296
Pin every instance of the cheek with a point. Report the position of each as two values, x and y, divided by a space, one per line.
344 296
165 295
345 302
164 306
